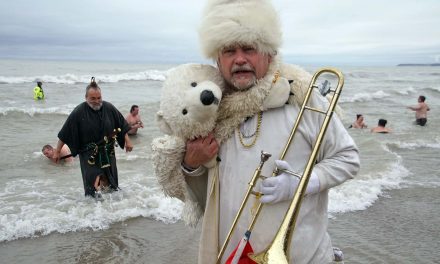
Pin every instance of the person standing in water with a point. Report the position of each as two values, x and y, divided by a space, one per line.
421 110
38 91
244 38
90 131
134 120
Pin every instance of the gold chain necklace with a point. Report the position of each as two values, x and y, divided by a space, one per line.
260 118
255 135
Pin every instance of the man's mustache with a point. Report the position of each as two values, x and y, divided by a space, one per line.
239 68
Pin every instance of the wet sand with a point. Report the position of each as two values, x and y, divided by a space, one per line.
139 240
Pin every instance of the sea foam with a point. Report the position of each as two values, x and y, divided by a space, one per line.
31 111
364 97
364 190
31 208
153 75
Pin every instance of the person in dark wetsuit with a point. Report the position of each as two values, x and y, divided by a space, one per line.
421 111
90 131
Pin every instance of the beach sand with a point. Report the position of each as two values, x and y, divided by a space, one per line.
398 228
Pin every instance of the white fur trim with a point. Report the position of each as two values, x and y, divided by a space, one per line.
235 107
231 22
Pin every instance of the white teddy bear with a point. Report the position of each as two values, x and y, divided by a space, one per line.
189 103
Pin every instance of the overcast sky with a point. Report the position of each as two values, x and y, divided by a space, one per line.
339 32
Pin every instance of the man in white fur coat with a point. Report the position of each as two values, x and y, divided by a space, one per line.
244 37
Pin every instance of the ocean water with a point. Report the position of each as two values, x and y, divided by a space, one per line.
38 198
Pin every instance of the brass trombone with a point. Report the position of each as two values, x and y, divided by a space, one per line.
278 250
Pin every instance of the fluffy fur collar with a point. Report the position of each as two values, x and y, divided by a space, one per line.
271 91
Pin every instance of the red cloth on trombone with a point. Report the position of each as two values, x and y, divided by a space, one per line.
244 259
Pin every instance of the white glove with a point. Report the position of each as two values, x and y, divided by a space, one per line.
282 187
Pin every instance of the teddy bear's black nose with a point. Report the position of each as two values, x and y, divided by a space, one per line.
207 97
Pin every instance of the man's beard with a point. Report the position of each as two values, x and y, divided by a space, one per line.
95 107
235 84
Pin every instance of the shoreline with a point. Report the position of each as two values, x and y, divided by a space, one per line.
137 240
400 227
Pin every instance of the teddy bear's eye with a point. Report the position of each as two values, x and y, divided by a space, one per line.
193 84
184 111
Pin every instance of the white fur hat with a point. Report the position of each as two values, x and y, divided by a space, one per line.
245 22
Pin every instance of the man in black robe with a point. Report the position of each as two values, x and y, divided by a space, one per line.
90 131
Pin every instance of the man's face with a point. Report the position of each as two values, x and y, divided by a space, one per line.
94 99
48 153
242 66
135 111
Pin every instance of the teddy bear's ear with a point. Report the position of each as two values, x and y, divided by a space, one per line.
163 125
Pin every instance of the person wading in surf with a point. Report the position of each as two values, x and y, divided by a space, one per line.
90 131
